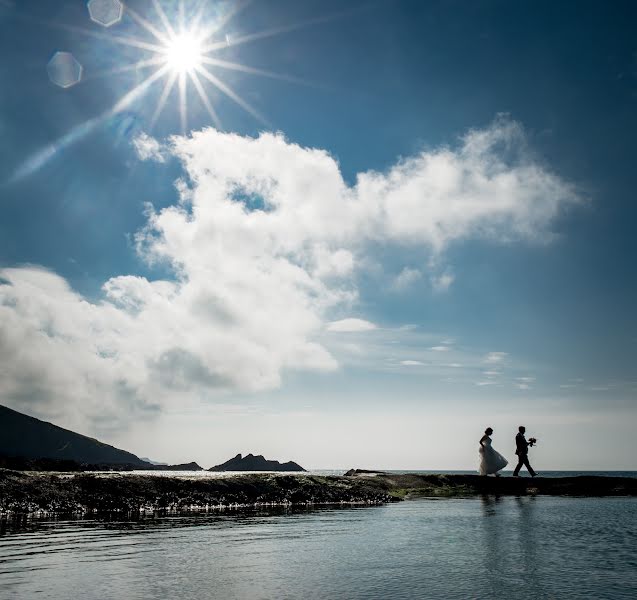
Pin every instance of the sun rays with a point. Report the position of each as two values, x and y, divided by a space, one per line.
177 57
181 50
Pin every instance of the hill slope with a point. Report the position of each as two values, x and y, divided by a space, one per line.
21 435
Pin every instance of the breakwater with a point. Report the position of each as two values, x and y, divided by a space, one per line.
29 492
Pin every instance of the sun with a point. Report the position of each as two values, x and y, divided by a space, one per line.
184 53
181 49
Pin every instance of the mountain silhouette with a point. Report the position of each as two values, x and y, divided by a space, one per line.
28 437
256 463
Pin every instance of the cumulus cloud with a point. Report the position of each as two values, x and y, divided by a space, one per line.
350 326
263 246
148 148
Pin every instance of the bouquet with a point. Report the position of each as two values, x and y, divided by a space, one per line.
532 441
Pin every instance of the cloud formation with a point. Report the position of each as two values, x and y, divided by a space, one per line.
406 278
263 244
148 148
495 357
350 326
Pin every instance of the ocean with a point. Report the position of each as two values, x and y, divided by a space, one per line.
486 547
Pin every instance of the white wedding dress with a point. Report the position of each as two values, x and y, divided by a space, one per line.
491 461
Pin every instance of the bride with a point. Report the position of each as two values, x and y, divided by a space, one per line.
490 460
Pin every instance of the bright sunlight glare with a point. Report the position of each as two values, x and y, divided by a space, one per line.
184 53
180 54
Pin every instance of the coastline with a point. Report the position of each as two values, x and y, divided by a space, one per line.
82 493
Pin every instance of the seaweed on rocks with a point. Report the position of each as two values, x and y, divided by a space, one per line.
82 493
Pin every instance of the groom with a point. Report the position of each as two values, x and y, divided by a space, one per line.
522 450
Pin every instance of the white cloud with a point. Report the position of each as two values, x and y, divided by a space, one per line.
263 244
406 278
412 363
495 357
492 373
442 282
148 148
440 348
350 326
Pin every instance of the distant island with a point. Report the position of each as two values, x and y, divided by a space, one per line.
256 463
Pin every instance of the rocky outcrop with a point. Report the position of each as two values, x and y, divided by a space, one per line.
471 485
191 466
83 493
256 463
28 492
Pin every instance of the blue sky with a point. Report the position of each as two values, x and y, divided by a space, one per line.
522 312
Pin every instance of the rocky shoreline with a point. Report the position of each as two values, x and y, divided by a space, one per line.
81 493
435 485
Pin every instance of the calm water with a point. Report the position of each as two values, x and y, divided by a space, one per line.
530 547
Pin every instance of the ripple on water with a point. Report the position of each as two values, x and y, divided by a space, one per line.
540 547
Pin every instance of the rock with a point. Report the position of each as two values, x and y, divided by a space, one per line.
354 472
256 463
24 493
191 466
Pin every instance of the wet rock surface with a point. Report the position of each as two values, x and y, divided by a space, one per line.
80 493
469 485
31 492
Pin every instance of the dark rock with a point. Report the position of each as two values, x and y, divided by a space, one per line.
472 485
25 493
191 466
256 463
354 472
30 438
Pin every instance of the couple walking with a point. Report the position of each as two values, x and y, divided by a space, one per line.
492 461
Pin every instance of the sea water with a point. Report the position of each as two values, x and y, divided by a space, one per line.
485 547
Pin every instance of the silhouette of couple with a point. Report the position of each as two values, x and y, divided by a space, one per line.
492 461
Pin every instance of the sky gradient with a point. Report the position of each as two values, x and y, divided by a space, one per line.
400 223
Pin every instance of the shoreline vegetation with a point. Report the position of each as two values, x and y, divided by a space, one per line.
83 493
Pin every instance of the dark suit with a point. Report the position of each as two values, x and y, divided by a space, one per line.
522 450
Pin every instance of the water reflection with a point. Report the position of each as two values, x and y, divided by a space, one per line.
110 521
455 548
510 544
